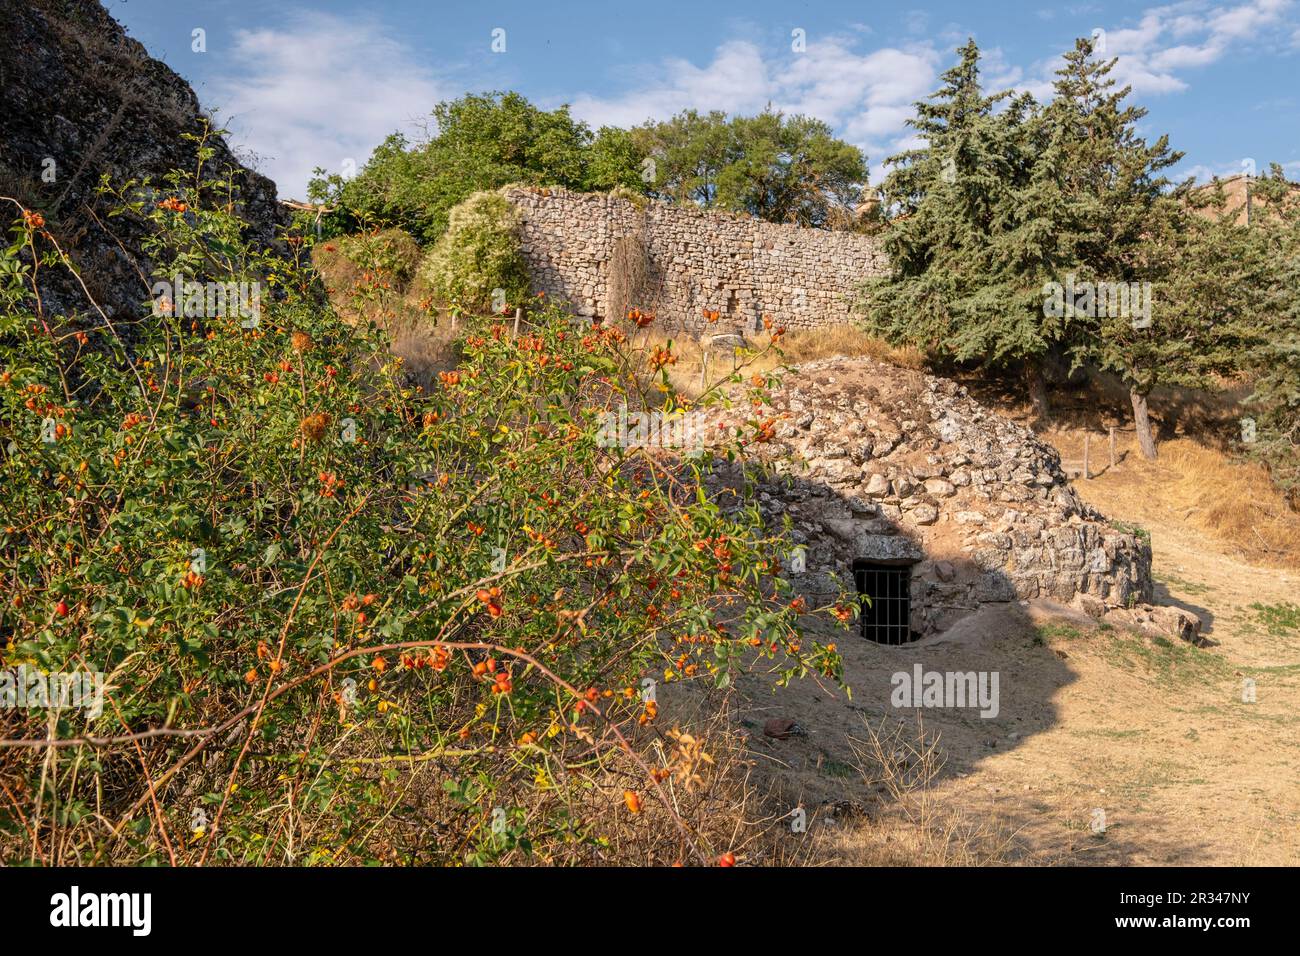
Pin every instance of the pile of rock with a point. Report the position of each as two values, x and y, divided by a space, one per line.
881 464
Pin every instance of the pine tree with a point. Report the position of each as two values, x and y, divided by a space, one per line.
1122 234
1274 360
971 240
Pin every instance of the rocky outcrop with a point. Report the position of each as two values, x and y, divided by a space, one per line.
604 255
1151 620
876 463
80 100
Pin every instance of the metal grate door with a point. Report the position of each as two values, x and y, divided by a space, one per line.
885 617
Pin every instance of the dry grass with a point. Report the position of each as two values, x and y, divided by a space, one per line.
689 377
1230 500
421 337
425 346
717 797
915 826
1198 481
1234 500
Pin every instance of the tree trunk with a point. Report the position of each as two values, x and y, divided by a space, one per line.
1037 391
1146 441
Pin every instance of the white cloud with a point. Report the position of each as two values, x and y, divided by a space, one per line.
1187 36
1204 173
866 96
1165 42
318 91
736 80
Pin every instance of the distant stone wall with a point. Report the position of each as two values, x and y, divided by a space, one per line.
604 255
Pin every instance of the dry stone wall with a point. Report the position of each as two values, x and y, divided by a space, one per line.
875 463
603 255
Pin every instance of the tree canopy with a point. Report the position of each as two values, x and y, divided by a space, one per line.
779 168
1019 233
482 142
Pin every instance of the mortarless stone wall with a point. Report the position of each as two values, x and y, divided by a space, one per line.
878 463
604 255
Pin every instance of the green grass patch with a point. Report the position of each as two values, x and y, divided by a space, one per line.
1185 587
1057 631
1111 734
1279 619
838 769
1142 534
1169 662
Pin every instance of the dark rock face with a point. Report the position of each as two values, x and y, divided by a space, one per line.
78 100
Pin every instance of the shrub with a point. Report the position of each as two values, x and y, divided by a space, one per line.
628 194
483 142
391 252
420 619
477 256
367 269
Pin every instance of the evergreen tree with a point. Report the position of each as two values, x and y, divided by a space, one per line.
972 237
1274 360
1122 233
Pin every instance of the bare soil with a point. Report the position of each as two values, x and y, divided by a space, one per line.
1154 733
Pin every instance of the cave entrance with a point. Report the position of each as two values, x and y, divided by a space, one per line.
886 617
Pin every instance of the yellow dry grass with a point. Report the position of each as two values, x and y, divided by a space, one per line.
1228 499
689 377
915 826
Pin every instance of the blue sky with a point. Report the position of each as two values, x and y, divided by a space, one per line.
321 83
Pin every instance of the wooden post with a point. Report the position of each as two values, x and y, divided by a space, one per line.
519 314
1086 440
704 372
1112 446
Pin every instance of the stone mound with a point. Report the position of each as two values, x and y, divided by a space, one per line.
874 463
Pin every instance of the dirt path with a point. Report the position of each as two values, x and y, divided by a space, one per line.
1155 734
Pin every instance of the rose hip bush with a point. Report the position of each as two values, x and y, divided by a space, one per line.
305 579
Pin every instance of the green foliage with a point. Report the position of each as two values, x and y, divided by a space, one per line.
478 255
614 162
782 169
483 142
776 168
1002 211
973 237
1122 226
464 582
1273 359
391 252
